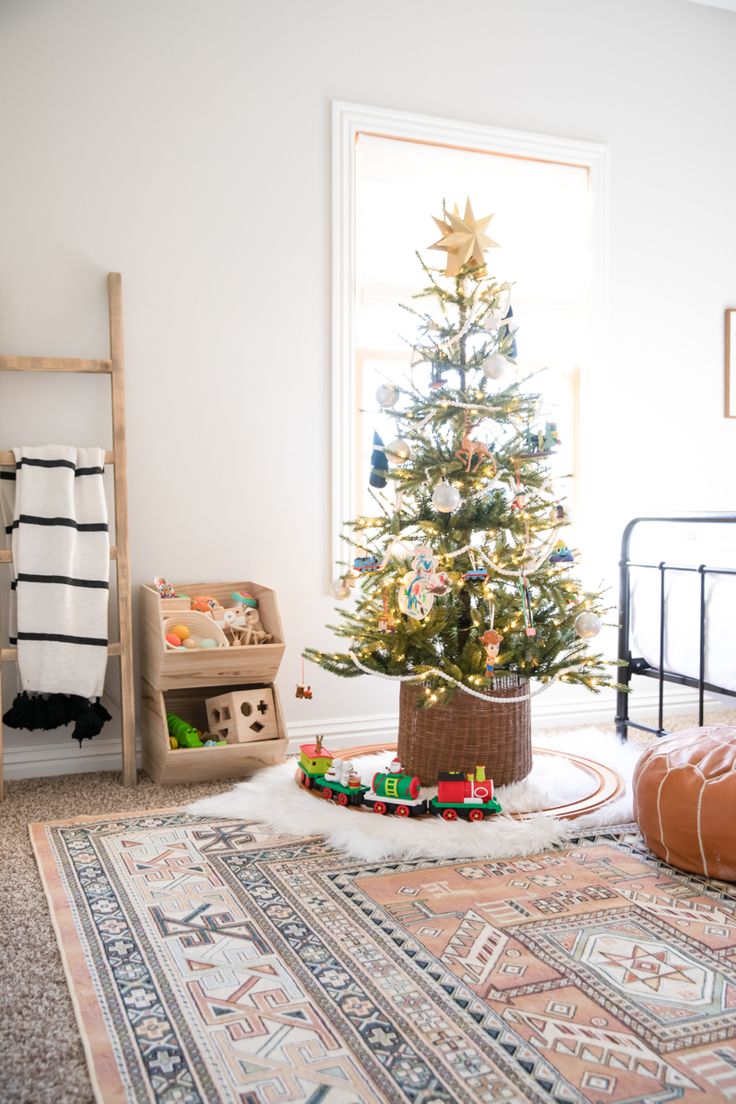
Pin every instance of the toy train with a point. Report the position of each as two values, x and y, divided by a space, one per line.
459 795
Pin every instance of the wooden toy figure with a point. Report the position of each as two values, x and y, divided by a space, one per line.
491 640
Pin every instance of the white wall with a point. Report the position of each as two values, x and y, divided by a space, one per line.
186 144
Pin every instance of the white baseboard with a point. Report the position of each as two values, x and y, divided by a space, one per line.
54 755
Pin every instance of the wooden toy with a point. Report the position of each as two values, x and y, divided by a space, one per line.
243 598
303 691
243 716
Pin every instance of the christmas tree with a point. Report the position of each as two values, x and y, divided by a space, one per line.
464 577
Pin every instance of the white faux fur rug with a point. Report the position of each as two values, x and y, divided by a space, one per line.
273 797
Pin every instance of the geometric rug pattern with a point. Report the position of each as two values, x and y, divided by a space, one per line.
209 961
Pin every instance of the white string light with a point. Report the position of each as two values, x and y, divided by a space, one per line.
434 672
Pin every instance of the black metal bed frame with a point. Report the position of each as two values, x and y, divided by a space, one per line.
638 665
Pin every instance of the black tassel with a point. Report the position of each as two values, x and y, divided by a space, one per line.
90 720
44 712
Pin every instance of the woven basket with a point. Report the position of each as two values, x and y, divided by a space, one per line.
467 733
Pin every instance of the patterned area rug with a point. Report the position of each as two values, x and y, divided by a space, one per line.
211 962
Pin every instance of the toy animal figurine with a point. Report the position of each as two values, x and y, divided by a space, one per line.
205 603
491 641
186 735
165 589
471 450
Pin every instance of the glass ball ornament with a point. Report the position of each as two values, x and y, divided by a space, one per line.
445 497
340 589
494 367
587 625
399 549
387 395
398 451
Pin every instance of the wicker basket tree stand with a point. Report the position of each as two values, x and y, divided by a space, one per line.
468 732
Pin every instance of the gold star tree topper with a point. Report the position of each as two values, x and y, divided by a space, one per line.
463 239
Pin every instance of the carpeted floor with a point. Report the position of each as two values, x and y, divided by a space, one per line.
41 1059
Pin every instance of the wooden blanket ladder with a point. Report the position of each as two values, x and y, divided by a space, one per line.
119 553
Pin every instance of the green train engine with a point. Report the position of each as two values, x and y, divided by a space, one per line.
395 792
468 796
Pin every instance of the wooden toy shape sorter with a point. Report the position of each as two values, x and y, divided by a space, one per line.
242 716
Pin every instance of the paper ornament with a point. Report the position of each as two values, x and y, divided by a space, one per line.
463 239
415 597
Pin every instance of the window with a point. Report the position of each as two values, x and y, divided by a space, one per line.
392 173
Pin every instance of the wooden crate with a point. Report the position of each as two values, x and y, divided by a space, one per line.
168 766
165 669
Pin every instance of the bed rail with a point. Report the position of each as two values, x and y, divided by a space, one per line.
639 666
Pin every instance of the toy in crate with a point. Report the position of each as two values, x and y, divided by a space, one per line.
467 796
242 716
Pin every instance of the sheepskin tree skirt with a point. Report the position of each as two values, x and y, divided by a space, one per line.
212 962
272 796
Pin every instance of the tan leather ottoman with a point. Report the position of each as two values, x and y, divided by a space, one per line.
685 800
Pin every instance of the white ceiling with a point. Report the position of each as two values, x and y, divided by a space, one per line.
730 5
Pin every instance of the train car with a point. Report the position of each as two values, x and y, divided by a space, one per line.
393 791
469 796
314 762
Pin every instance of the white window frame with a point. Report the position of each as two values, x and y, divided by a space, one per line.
348 121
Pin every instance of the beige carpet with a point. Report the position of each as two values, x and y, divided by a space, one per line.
41 1057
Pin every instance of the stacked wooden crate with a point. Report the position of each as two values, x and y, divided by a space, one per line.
181 682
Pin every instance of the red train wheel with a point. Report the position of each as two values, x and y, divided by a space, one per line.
402 810
379 807
327 793
476 814
449 814
342 799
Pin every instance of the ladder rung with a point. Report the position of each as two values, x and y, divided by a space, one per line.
53 364
7 459
6 556
10 655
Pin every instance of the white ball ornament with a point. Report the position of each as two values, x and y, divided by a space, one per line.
587 625
387 395
445 498
494 367
399 550
340 589
398 451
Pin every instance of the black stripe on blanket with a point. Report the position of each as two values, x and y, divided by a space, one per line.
60 638
7 475
65 580
81 527
27 461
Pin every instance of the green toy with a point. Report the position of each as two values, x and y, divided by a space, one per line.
186 735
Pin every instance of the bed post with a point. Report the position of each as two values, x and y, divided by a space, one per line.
624 651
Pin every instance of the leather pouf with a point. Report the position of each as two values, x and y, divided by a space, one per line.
685 800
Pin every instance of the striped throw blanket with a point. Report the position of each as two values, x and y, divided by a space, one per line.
55 514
